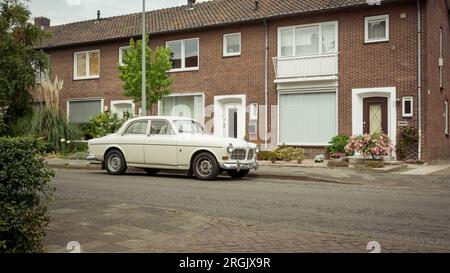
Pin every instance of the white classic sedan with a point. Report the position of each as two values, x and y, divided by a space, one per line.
172 143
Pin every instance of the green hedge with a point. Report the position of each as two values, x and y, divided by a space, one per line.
25 192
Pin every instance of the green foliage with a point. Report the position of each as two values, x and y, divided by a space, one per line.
290 153
408 140
20 60
104 124
25 192
48 124
337 144
284 153
158 81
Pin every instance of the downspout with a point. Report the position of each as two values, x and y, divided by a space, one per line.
266 83
419 79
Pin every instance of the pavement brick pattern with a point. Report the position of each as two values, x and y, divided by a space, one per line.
133 228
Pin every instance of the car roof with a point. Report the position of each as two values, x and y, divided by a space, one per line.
171 118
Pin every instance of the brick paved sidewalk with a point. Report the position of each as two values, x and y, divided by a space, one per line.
130 228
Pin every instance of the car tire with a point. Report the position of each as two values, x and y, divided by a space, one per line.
205 167
151 171
115 163
236 174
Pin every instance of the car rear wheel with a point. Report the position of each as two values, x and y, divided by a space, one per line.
151 171
236 174
205 167
115 163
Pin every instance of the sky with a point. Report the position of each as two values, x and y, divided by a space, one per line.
66 11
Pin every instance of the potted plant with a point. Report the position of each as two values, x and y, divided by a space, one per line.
373 147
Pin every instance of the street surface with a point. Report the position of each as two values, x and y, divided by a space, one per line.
172 213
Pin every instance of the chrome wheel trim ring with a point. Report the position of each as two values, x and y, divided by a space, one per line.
114 163
204 166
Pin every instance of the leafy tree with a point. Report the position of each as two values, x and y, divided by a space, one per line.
157 63
20 60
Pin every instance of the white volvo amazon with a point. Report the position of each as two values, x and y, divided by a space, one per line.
172 143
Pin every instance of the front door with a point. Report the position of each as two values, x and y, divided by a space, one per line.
375 117
231 120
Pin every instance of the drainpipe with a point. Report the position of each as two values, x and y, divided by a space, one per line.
266 82
419 78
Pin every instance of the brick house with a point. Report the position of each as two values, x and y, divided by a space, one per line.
305 70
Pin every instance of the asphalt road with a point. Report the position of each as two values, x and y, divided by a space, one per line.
403 214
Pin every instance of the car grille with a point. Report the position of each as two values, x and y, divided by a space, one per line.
250 154
238 154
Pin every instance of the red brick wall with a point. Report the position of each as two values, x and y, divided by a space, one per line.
436 143
361 65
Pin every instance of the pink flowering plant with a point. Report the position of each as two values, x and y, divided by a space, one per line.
375 145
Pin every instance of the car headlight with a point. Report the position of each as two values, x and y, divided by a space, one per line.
230 148
257 150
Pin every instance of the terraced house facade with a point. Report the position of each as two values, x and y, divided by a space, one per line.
296 72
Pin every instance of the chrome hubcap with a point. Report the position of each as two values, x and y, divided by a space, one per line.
204 166
114 163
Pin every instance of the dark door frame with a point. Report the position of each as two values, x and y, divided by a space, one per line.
366 106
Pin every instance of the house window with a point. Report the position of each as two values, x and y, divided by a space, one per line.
407 106
307 119
123 52
441 59
184 54
87 65
190 106
377 29
232 44
446 118
308 40
120 107
253 111
81 111
40 73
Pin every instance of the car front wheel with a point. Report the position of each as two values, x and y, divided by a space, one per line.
236 174
115 163
205 167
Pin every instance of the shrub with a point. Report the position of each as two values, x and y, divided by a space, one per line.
264 155
337 144
374 145
290 153
25 192
104 124
407 143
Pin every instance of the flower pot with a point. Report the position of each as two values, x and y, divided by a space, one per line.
374 163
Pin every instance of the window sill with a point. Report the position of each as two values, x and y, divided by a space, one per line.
183 69
86 78
376 41
407 117
232 55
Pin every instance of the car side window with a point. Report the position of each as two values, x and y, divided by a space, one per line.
137 128
160 127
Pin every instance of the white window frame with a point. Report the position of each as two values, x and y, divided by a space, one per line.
183 55
121 54
83 99
88 72
446 118
310 91
320 25
366 29
185 95
133 105
225 45
404 100
253 111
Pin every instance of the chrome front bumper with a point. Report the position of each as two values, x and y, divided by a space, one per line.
239 165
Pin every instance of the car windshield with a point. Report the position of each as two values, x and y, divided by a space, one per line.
189 127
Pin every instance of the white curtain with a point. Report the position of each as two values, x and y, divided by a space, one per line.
307 118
